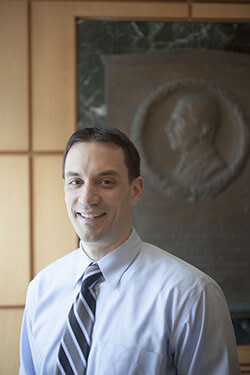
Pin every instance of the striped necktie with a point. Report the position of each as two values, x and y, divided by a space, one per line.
76 341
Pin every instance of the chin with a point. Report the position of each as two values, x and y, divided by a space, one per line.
90 237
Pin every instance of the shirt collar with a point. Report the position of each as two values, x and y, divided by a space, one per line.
114 264
83 262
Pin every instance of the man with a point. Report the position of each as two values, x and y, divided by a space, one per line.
143 311
191 129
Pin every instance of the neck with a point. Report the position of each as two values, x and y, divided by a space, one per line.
97 250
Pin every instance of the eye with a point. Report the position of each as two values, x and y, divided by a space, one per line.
107 182
75 182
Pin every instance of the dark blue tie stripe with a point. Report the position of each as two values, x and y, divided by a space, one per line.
65 362
89 281
90 300
78 334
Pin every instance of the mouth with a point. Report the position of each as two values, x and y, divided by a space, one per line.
91 217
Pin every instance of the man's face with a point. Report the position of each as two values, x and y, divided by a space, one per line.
98 195
181 130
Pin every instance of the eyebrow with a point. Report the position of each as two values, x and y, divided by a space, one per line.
72 174
109 172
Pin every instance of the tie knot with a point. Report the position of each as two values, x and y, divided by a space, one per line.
91 277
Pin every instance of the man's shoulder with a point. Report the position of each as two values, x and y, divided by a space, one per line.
173 270
61 268
64 261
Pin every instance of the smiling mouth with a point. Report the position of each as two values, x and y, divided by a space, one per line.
91 216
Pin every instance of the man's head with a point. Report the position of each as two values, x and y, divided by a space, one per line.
195 118
108 135
101 186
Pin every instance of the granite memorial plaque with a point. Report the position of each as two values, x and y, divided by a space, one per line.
189 115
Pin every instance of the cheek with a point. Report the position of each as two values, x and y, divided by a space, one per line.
125 205
69 200
119 202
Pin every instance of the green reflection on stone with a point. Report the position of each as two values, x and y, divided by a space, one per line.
98 38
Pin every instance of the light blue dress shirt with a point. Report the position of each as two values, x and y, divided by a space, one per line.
155 315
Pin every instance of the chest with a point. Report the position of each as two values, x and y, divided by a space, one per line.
130 334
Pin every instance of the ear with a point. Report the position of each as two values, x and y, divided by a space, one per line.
137 187
204 131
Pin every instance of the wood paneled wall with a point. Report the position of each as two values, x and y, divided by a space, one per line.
34 227
37 115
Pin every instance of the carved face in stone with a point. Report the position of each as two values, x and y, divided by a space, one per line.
178 130
194 119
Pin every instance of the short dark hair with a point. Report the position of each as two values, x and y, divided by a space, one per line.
109 135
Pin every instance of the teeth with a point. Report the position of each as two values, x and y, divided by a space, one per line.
91 216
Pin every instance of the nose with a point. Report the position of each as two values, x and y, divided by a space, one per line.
170 124
89 195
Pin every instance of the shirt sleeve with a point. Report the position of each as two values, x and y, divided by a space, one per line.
26 360
30 359
205 342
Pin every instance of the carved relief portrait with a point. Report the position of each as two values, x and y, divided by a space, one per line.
205 136
192 129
